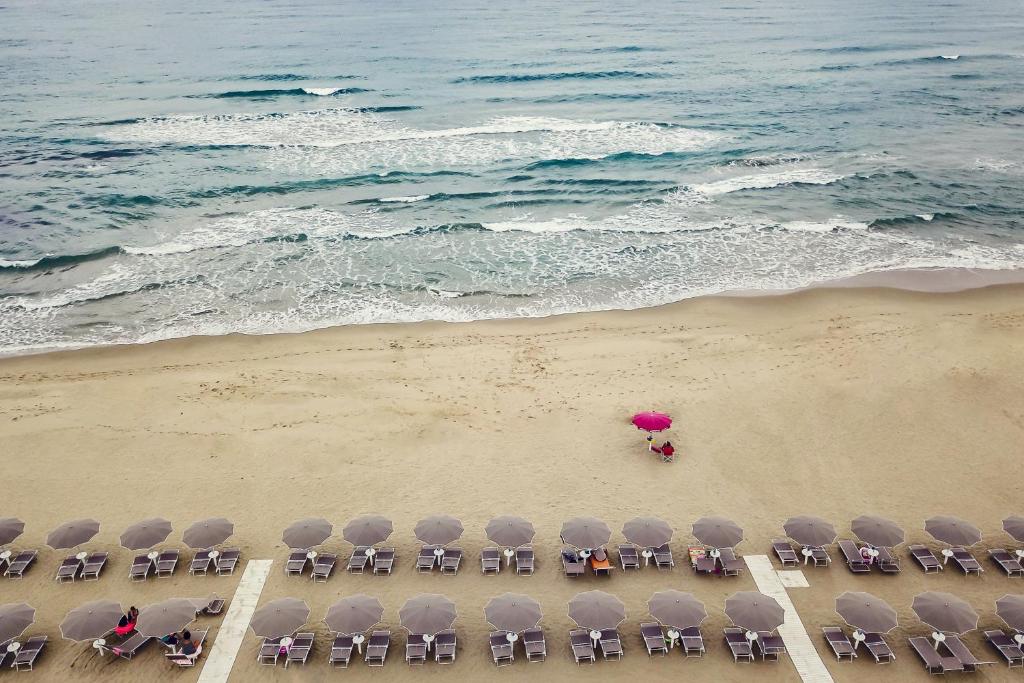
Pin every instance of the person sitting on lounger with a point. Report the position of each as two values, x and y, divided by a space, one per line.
599 561
866 555
666 449
127 622
171 641
188 646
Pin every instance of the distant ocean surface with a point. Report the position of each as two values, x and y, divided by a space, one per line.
182 168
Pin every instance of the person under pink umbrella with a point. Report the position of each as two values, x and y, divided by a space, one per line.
651 422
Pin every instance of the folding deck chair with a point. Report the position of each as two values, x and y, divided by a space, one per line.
445 645
377 648
925 557
451 560
629 556
784 551
341 651
535 645
1007 562
358 560
738 644
582 646
654 638
524 560
166 563
323 565
94 565
490 561
841 646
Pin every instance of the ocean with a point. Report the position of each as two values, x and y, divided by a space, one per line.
205 168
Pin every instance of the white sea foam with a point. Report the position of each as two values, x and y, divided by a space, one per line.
323 92
925 216
953 57
405 200
18 264
761 181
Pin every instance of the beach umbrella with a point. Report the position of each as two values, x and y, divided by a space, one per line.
169 616
596 610
877 531
438 529
92 620
1010 608
427 613
717 532
945 613
647 532
15 617
146 534
207 533
1013 525
72 534
354 614
512 612
586 532
952 530
279 618
651 421
676 609
306 533
367 530
809 530
510 531
865 612
754 611
10 529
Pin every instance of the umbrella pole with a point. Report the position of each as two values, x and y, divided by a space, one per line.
650 442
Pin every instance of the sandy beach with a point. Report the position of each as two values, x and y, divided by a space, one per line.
835 402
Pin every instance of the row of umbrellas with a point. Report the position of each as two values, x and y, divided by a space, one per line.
205 533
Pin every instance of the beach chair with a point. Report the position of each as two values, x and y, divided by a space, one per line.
629 556
770 645
68 569
887 562
451 560
358 560
323 565
820 557
535 645
200 563
20 563
166 563
654 638
270 650
445 645
925 557
692 642
784 551
524 560
415 650
700 561
214 607
663 557
934 663
878 648
501 649
426 559
610 643
841 646
966 561
958 649
598 566
130 647
227 561
490 561
384 562
94 564
731 565
1007 647
26 658
183 660
582 646
851 554
141 566
296 563
1007 562
572 564
298 651
341 651
4 654
377 647
738 644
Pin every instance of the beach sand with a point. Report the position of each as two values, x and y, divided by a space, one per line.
835 402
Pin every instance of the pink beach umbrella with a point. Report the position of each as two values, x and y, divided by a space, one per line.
652 422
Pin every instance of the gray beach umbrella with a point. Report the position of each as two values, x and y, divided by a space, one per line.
368 530
810 530
427 613
354 614
207 533
513 612
754 611
10 529
877 531
439 530
597 610
1013 525
676 609
952 530
279 618
647 532
146 534
510 531
92 620
72 534
586 532
717 532
306 533
1010 608
866 612
168 616
15 617
945 612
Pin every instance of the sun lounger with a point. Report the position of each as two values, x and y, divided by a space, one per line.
600 567
572 564
1007 562
784 551
141 566
296 563
445 644
535 645
958 649
93 566
629 556
215 606
270 650
582 646
298 651
358 560
820 557
524 560
490 561
501 649
926 558
878 648
200 563
692 642
377 647
851 554
184 660
663 557
1007 647
415 650
731 565
887 562
770 645
426 559
384 562
451 560
699 560
966 561
840 644
20 563
341 651
130 647
654 638
4 654
934 663
68 569
738 644
29 653
228 560
166 563
323 565
611 643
